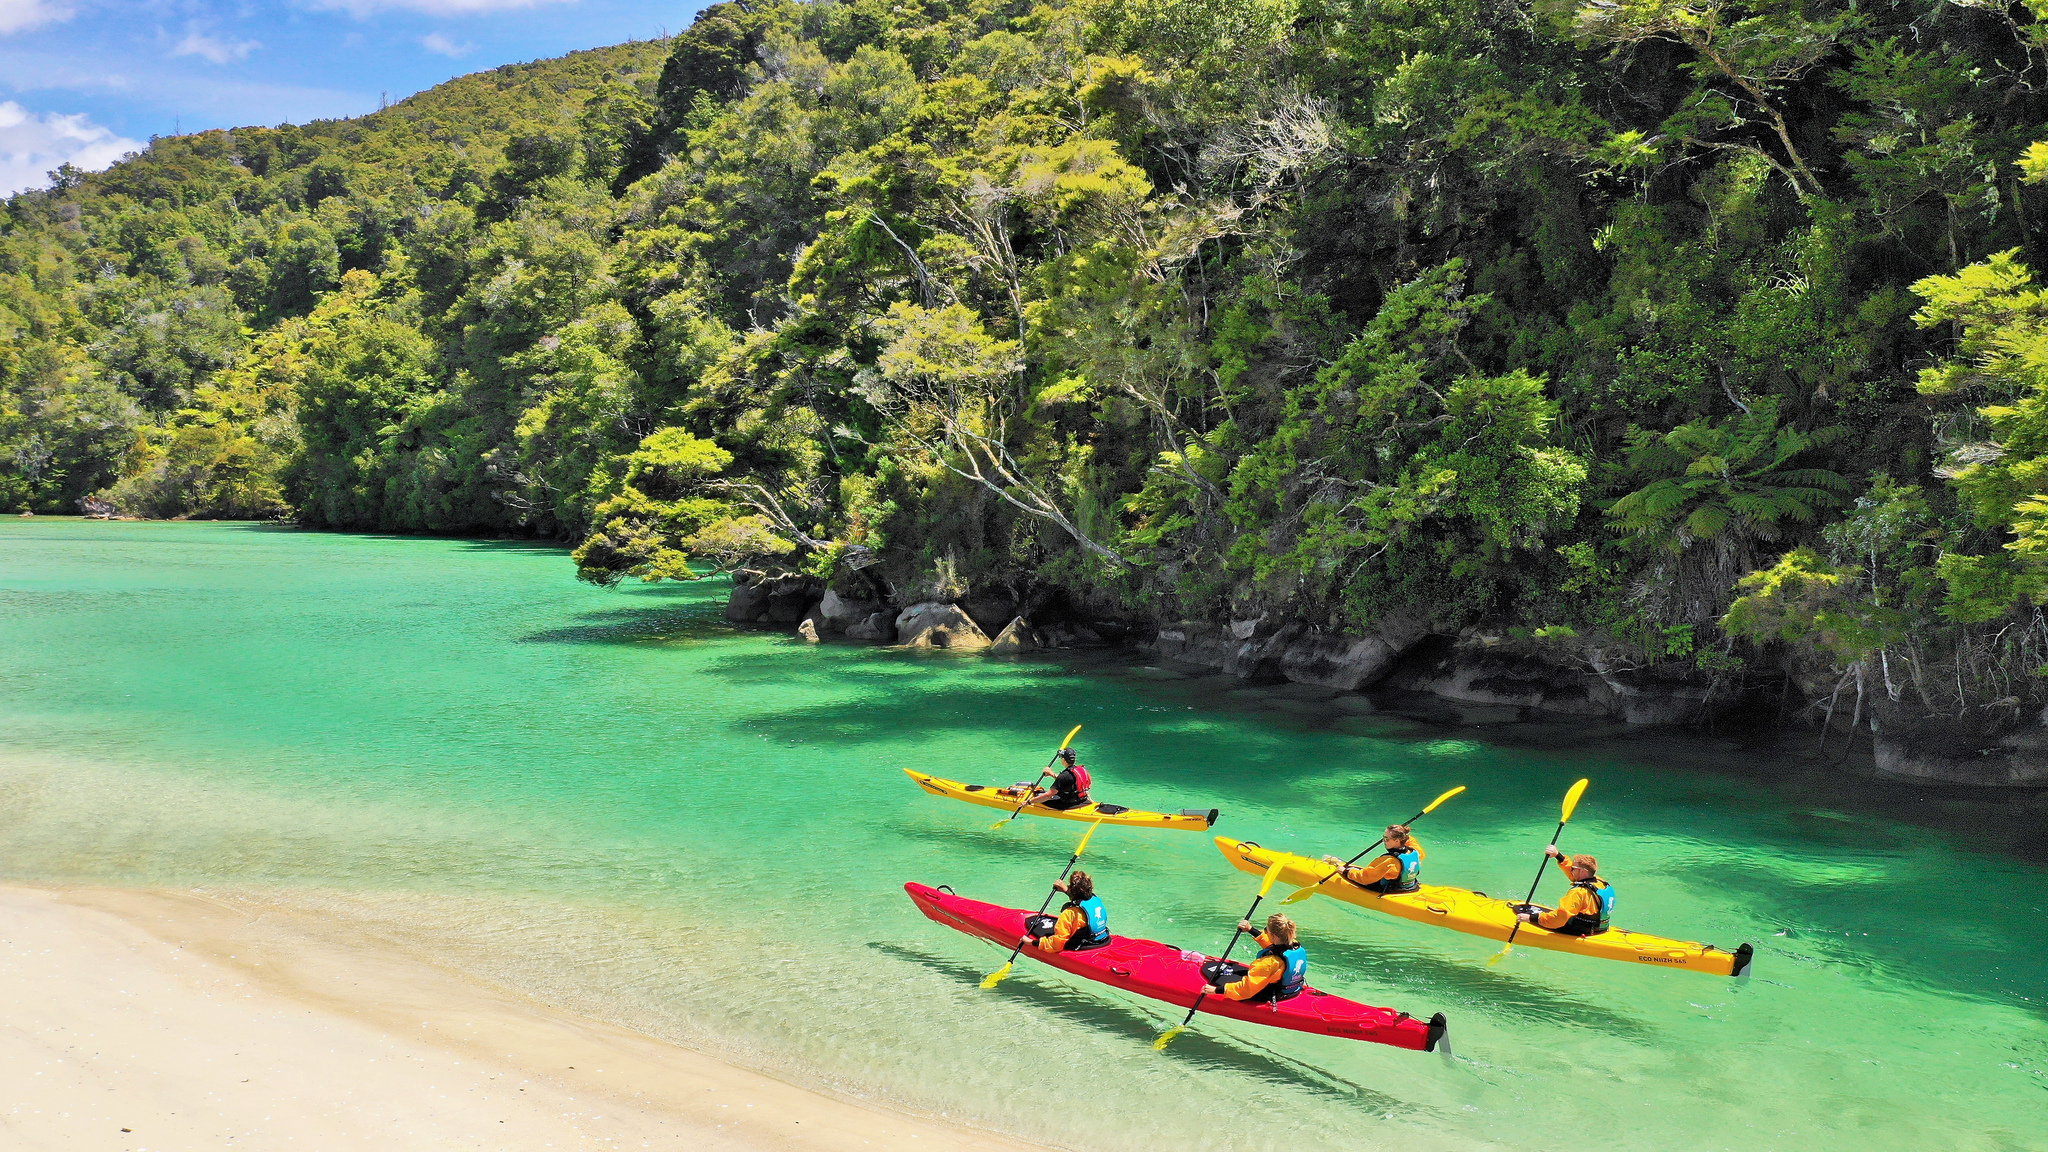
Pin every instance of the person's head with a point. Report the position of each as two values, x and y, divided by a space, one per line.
1584 867
1397 836
1067 757
1080 886
1281 930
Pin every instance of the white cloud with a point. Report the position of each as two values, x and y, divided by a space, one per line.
197 43
365 8
31 146
22 15
436 42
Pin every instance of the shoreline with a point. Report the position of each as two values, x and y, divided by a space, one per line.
166 1019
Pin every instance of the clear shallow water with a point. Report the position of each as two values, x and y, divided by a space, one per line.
619 803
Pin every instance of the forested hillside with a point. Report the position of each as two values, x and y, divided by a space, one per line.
1590 322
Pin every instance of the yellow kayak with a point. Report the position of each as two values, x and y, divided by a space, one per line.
1481 915
988 795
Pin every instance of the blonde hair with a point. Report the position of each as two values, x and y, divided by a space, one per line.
1281 929
1400 835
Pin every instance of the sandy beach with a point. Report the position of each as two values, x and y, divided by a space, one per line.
169 1021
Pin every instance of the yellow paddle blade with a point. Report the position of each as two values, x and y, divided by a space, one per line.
1000 825
1442 798
1167 1036
1300 894
996 977
1084 840
1070 736
1499 956
1272 874
1571 799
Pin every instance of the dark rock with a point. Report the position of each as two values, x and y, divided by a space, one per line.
789 598
989 608
749 599
878 628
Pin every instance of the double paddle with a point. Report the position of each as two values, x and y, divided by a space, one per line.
1300 894
996 977
1028 792
1571 801
1272 874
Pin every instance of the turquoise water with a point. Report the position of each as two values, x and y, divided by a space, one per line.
619 803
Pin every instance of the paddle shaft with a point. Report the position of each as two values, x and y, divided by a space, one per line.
1533 884
1226 955
1335 872
1042 774
1382 843
1048 903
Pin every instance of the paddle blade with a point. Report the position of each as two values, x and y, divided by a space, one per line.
1272 875
1571 799
1167 1036
1000 824
1084 840
1499 956
1442 798
996 977
1299 894
1070 736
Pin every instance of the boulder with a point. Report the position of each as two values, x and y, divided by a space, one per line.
749 599
836 613
1018 637
814 620
934 624
879 628
807 630
1348 663
790 597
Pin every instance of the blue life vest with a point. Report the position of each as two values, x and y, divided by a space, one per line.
1095 933
1293 974
1584 925
1410 878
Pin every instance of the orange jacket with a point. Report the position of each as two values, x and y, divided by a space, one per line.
1382 867
1577 902
1071 920
1265 970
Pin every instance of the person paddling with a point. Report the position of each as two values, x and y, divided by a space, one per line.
1398 869
1083 922
1279 972
1588 905
1069 789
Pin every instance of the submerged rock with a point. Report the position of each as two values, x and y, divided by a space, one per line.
807 630
934 624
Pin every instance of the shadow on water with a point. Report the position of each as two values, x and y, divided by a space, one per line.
1433 982
694 622
1197 1047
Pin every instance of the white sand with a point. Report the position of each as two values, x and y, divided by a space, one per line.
168 1021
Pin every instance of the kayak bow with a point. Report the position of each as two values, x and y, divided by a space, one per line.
1163 972
988 796
1478 914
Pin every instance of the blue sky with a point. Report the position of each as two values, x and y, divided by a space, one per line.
85 81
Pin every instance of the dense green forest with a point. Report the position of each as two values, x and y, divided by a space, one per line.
1703 329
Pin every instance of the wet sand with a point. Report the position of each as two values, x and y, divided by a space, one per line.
170 1020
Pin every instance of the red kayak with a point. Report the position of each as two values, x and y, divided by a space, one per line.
1163 972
